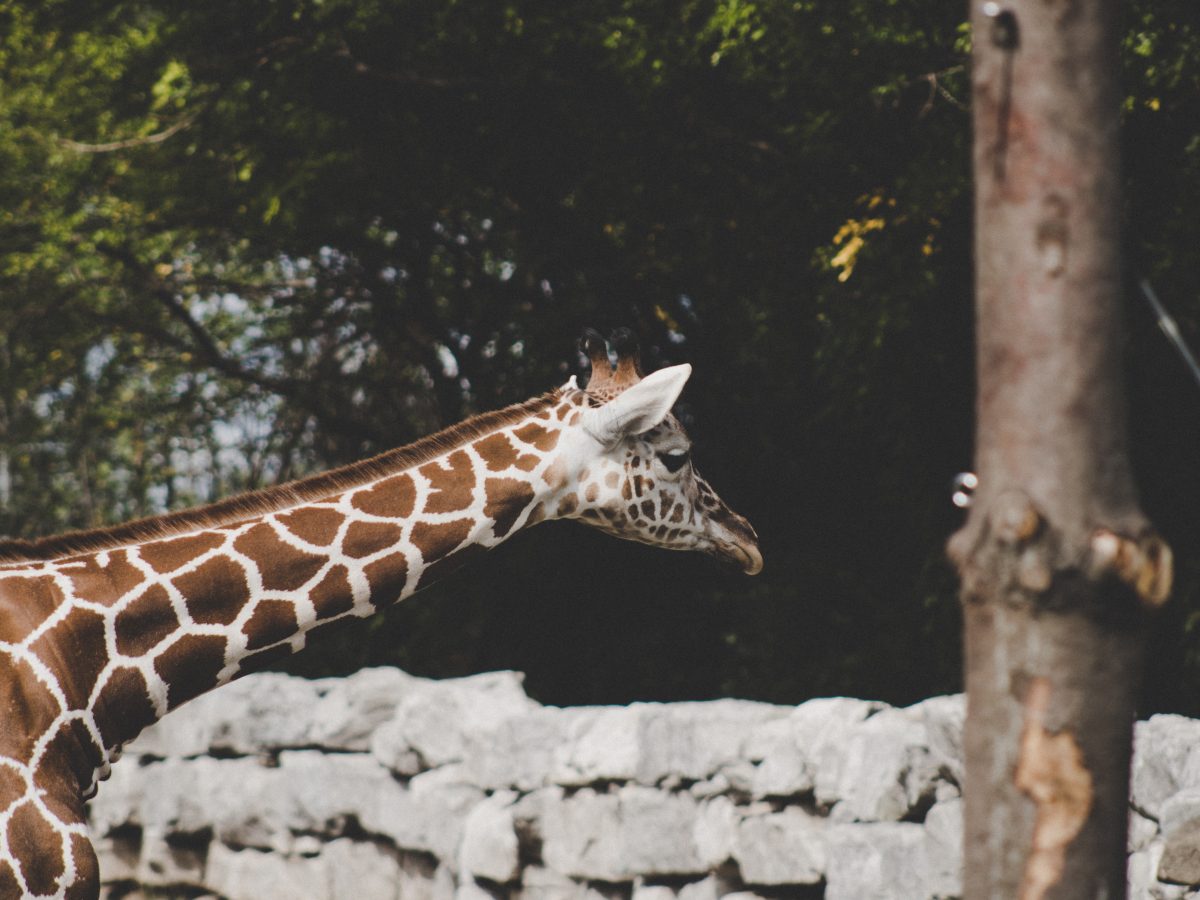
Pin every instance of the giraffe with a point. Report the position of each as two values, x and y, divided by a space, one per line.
102 632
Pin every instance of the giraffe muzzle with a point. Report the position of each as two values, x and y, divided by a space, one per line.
734 541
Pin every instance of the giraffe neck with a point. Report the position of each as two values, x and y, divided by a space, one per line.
108 641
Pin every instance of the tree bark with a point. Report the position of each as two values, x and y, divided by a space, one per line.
1059 567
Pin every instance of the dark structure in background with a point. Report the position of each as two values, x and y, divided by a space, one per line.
245 241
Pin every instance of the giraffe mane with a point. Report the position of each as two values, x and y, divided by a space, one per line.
273 499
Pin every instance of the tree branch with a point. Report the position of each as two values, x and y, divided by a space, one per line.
156 138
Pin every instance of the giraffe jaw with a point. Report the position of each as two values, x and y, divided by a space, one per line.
745 556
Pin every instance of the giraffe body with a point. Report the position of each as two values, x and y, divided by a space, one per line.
102 633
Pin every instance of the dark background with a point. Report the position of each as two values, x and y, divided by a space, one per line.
241 242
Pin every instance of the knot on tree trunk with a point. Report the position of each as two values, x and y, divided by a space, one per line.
1011 542
1144 564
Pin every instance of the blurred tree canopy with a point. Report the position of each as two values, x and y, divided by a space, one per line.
243 241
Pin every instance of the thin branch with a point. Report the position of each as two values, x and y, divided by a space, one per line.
936 87
156 138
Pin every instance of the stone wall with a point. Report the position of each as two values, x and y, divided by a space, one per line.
383 785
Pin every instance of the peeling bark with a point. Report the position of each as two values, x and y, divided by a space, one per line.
1051 772
1059 567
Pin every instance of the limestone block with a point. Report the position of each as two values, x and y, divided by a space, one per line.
787 847
1180 863
943 849
693 741
538 883
489 843
716 831
614 837
389 746
803 749
520 751
1141 831
875 861
601 745
705 889
1166 758
439 721
652 892
245 717
163 862
1141 872
943 719
425 817
256 875
350 709
1180 809
884 769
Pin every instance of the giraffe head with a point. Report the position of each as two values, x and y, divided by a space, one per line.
630 472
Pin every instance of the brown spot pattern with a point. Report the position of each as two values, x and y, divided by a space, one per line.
435 541
391 498
451 488
26 700
541 438
87 869
590 493
332 595
316 525
72 747
555 475
506 499
12 788
367 538
283 567
169 555
215 592
9 887
123 707
29 602
568 505
145 622
36 845
497 451
77 641
122 575
387 577
190 666
273 620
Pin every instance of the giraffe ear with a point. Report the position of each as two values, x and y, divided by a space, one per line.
639 407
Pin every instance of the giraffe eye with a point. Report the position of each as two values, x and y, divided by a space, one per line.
673 460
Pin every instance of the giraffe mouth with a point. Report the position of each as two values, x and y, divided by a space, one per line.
745 556
734 541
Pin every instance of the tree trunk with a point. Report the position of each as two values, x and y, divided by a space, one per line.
1059 567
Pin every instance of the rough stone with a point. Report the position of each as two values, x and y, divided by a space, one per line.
616 836
1180 863
489 844
386 785
943 719
781 848
793 753
875 861
1166 759
943 849
351 709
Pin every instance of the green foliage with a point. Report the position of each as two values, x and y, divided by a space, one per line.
240 241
